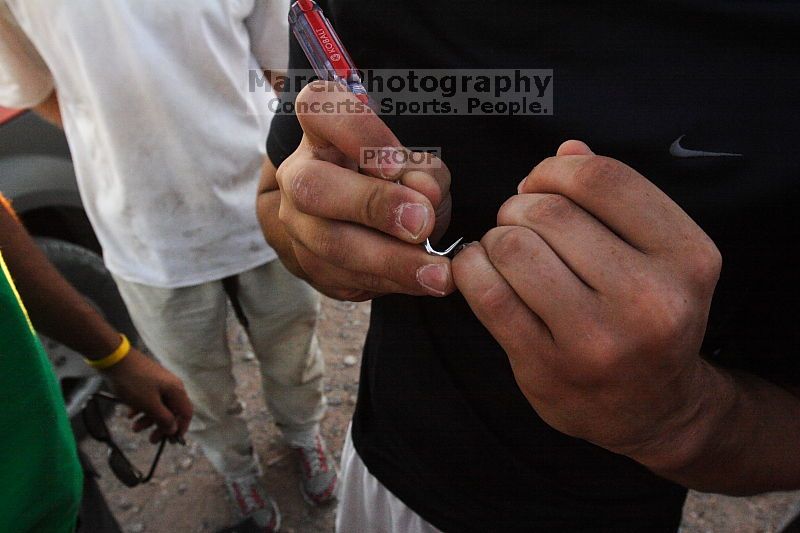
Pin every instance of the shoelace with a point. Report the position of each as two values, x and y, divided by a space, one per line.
314 460
249 501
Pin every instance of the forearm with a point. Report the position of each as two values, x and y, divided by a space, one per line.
745 438
50 111
55 307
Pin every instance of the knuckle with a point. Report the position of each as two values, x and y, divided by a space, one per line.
442 174
284 214
542 169
280 173
509 212
389 270
305 192
329 247
372 208
605 351
494 299
371 282
311 93
662 315
550 207
597 173
312 268
506 244
705 265
284 170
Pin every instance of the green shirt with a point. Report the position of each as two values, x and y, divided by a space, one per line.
40 476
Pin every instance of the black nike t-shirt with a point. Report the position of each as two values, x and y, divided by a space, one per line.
440 420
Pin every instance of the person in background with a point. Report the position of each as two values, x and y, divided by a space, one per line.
40 475
587 358
168 142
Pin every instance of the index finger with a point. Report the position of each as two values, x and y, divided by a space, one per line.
621 198
332 117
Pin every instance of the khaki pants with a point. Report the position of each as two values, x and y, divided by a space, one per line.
185 329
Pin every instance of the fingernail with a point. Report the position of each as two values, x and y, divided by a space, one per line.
413 218
391 162
434 278
463 247
521 185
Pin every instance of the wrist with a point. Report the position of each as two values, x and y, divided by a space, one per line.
697 429
119 353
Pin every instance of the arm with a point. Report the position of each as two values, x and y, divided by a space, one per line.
598 287
50 111
60 312
747 443
25 80
268 28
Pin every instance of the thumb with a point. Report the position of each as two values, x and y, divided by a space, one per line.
178 402
574 147
163 418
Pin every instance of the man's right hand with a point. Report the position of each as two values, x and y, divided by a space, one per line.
353 228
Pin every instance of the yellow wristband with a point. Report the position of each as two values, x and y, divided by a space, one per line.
118 355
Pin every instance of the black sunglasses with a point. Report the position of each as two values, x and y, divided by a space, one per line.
96 426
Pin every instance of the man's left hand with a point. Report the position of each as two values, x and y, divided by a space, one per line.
598 287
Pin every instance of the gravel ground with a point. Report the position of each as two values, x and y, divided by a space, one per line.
187 495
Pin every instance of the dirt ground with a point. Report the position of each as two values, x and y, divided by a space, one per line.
186 495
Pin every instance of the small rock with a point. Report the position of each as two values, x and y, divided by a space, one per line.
248 356
182 488
185 463
125 505
353 399
129 446
136 528
350 361
334 401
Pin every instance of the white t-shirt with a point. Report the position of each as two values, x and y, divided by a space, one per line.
166 136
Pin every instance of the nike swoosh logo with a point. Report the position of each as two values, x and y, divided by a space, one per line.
683 153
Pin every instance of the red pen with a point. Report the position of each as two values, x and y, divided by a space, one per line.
322 46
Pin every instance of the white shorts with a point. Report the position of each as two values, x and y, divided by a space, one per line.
366 506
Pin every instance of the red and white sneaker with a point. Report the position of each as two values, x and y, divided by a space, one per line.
259 512
319 476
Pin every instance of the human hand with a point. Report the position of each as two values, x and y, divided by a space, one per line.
153 392
598 287
354 226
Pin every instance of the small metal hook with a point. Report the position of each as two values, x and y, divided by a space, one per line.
431 251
